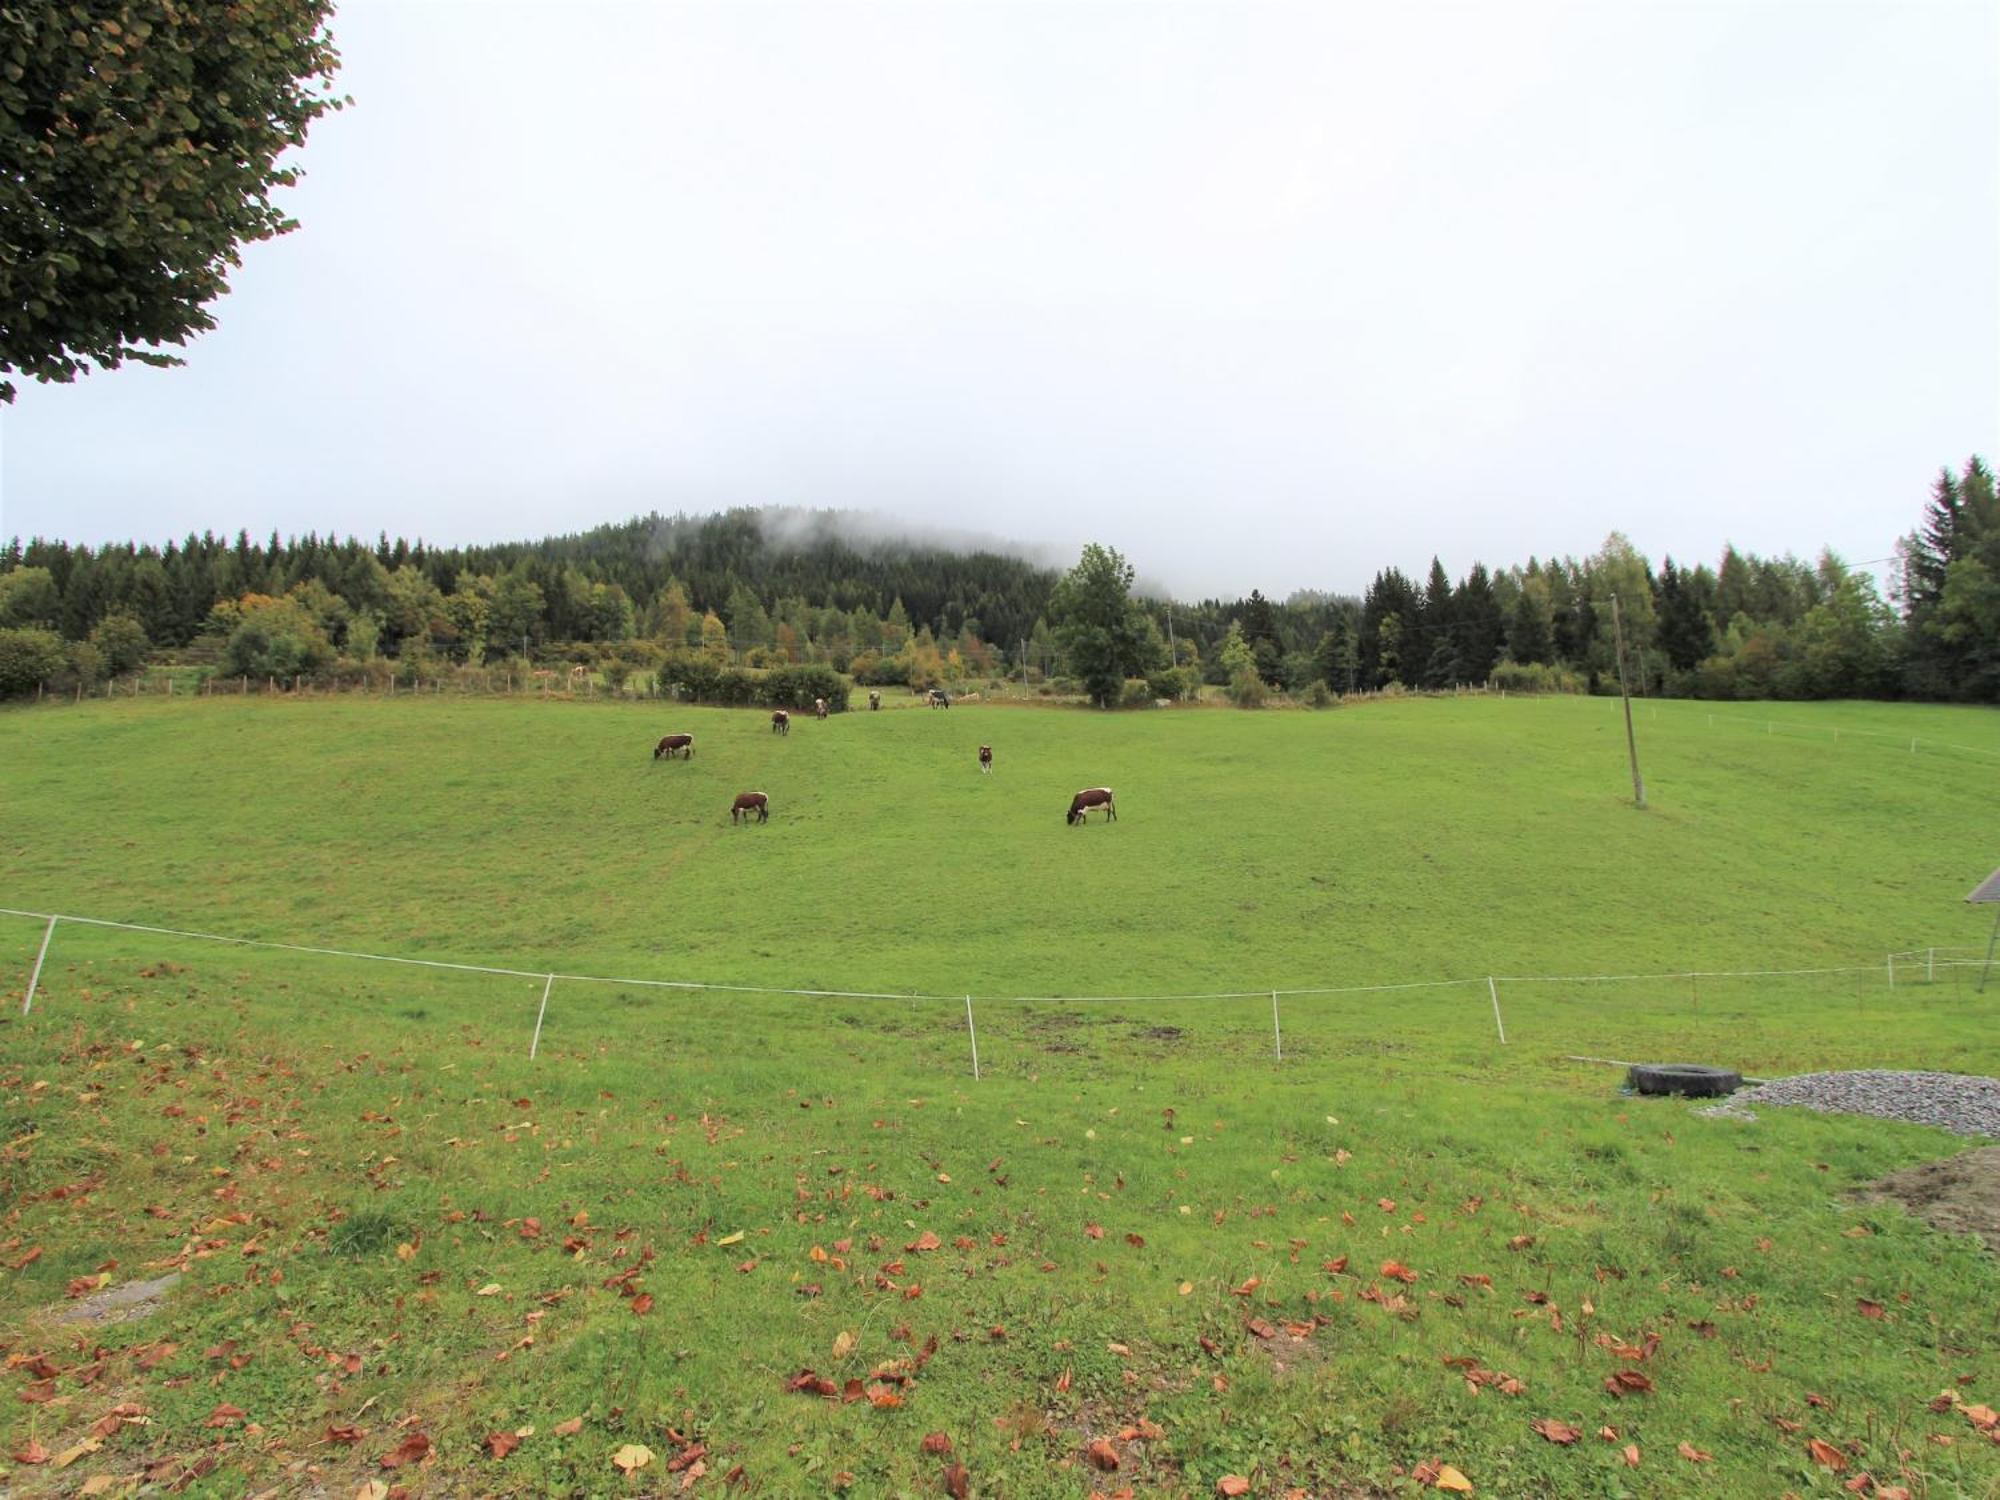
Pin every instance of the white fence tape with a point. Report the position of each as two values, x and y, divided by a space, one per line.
1926 957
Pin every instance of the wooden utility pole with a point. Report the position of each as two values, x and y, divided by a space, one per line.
1625 694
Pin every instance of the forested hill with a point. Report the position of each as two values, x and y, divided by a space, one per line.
823 558
770 563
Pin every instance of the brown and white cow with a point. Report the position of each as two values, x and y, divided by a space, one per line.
819 708
1081 804
672 745
874 701
781 722
986 760
749 803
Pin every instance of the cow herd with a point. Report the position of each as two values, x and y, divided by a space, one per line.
756 806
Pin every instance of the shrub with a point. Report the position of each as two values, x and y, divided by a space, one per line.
1534 677
1317 694
27 659
1246 688
121 641
1137 693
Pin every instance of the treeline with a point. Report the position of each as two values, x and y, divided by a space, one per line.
687 597
1748 627
756 589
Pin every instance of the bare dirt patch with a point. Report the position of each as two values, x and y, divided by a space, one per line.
1960 1195
119 1304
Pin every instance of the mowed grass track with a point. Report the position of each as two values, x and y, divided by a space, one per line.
392 1222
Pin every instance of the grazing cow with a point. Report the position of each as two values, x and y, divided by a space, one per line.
1081 804
819 708
747 803
874 701
781 722
986 760
674 744
936 698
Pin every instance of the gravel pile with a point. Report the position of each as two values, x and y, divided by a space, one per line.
1960 1102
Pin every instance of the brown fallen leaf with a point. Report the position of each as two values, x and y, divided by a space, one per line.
570 1428
1826 1455
936 1442
1627 1383
957 1482
1694 1455
642 1304
1232 1484
411 1450
346 1432
225 1415
1395 1270
1554 1431
1630 1453
500 1444
1101 1456
1869 1309
924 1242
31 1452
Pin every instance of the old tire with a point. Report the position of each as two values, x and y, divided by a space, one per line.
1691 1079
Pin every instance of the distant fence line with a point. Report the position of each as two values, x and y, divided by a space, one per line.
551 684
1930 960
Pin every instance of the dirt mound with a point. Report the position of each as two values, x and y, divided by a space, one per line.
1960 1195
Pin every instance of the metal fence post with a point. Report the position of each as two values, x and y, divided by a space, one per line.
972 1033
1277 1036
1493 991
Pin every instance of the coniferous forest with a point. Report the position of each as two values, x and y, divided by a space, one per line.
680 600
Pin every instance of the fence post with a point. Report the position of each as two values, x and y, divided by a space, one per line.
536 1044
1493 991
972 1033
35 976
1892 970
1930 967
1277 1036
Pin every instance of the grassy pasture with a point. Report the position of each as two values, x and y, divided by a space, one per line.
343 1157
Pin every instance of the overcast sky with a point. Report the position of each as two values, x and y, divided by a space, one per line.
1263 295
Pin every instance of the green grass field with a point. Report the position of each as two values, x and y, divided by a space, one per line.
1149 1232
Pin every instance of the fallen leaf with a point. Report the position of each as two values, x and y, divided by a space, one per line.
1395 1270
570 1428
642 1304
373 1489
1630 1453
634 1456
957 1482
70 1455
1101 1455
1826 1455
32 1452
1694 1455
225 1415
1554 1431
727 1239
936 1442
1232 1484
410 1450
1450 1479
1869 1309
491 1289
924 1242
1627 1382
843 1343
500 1444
